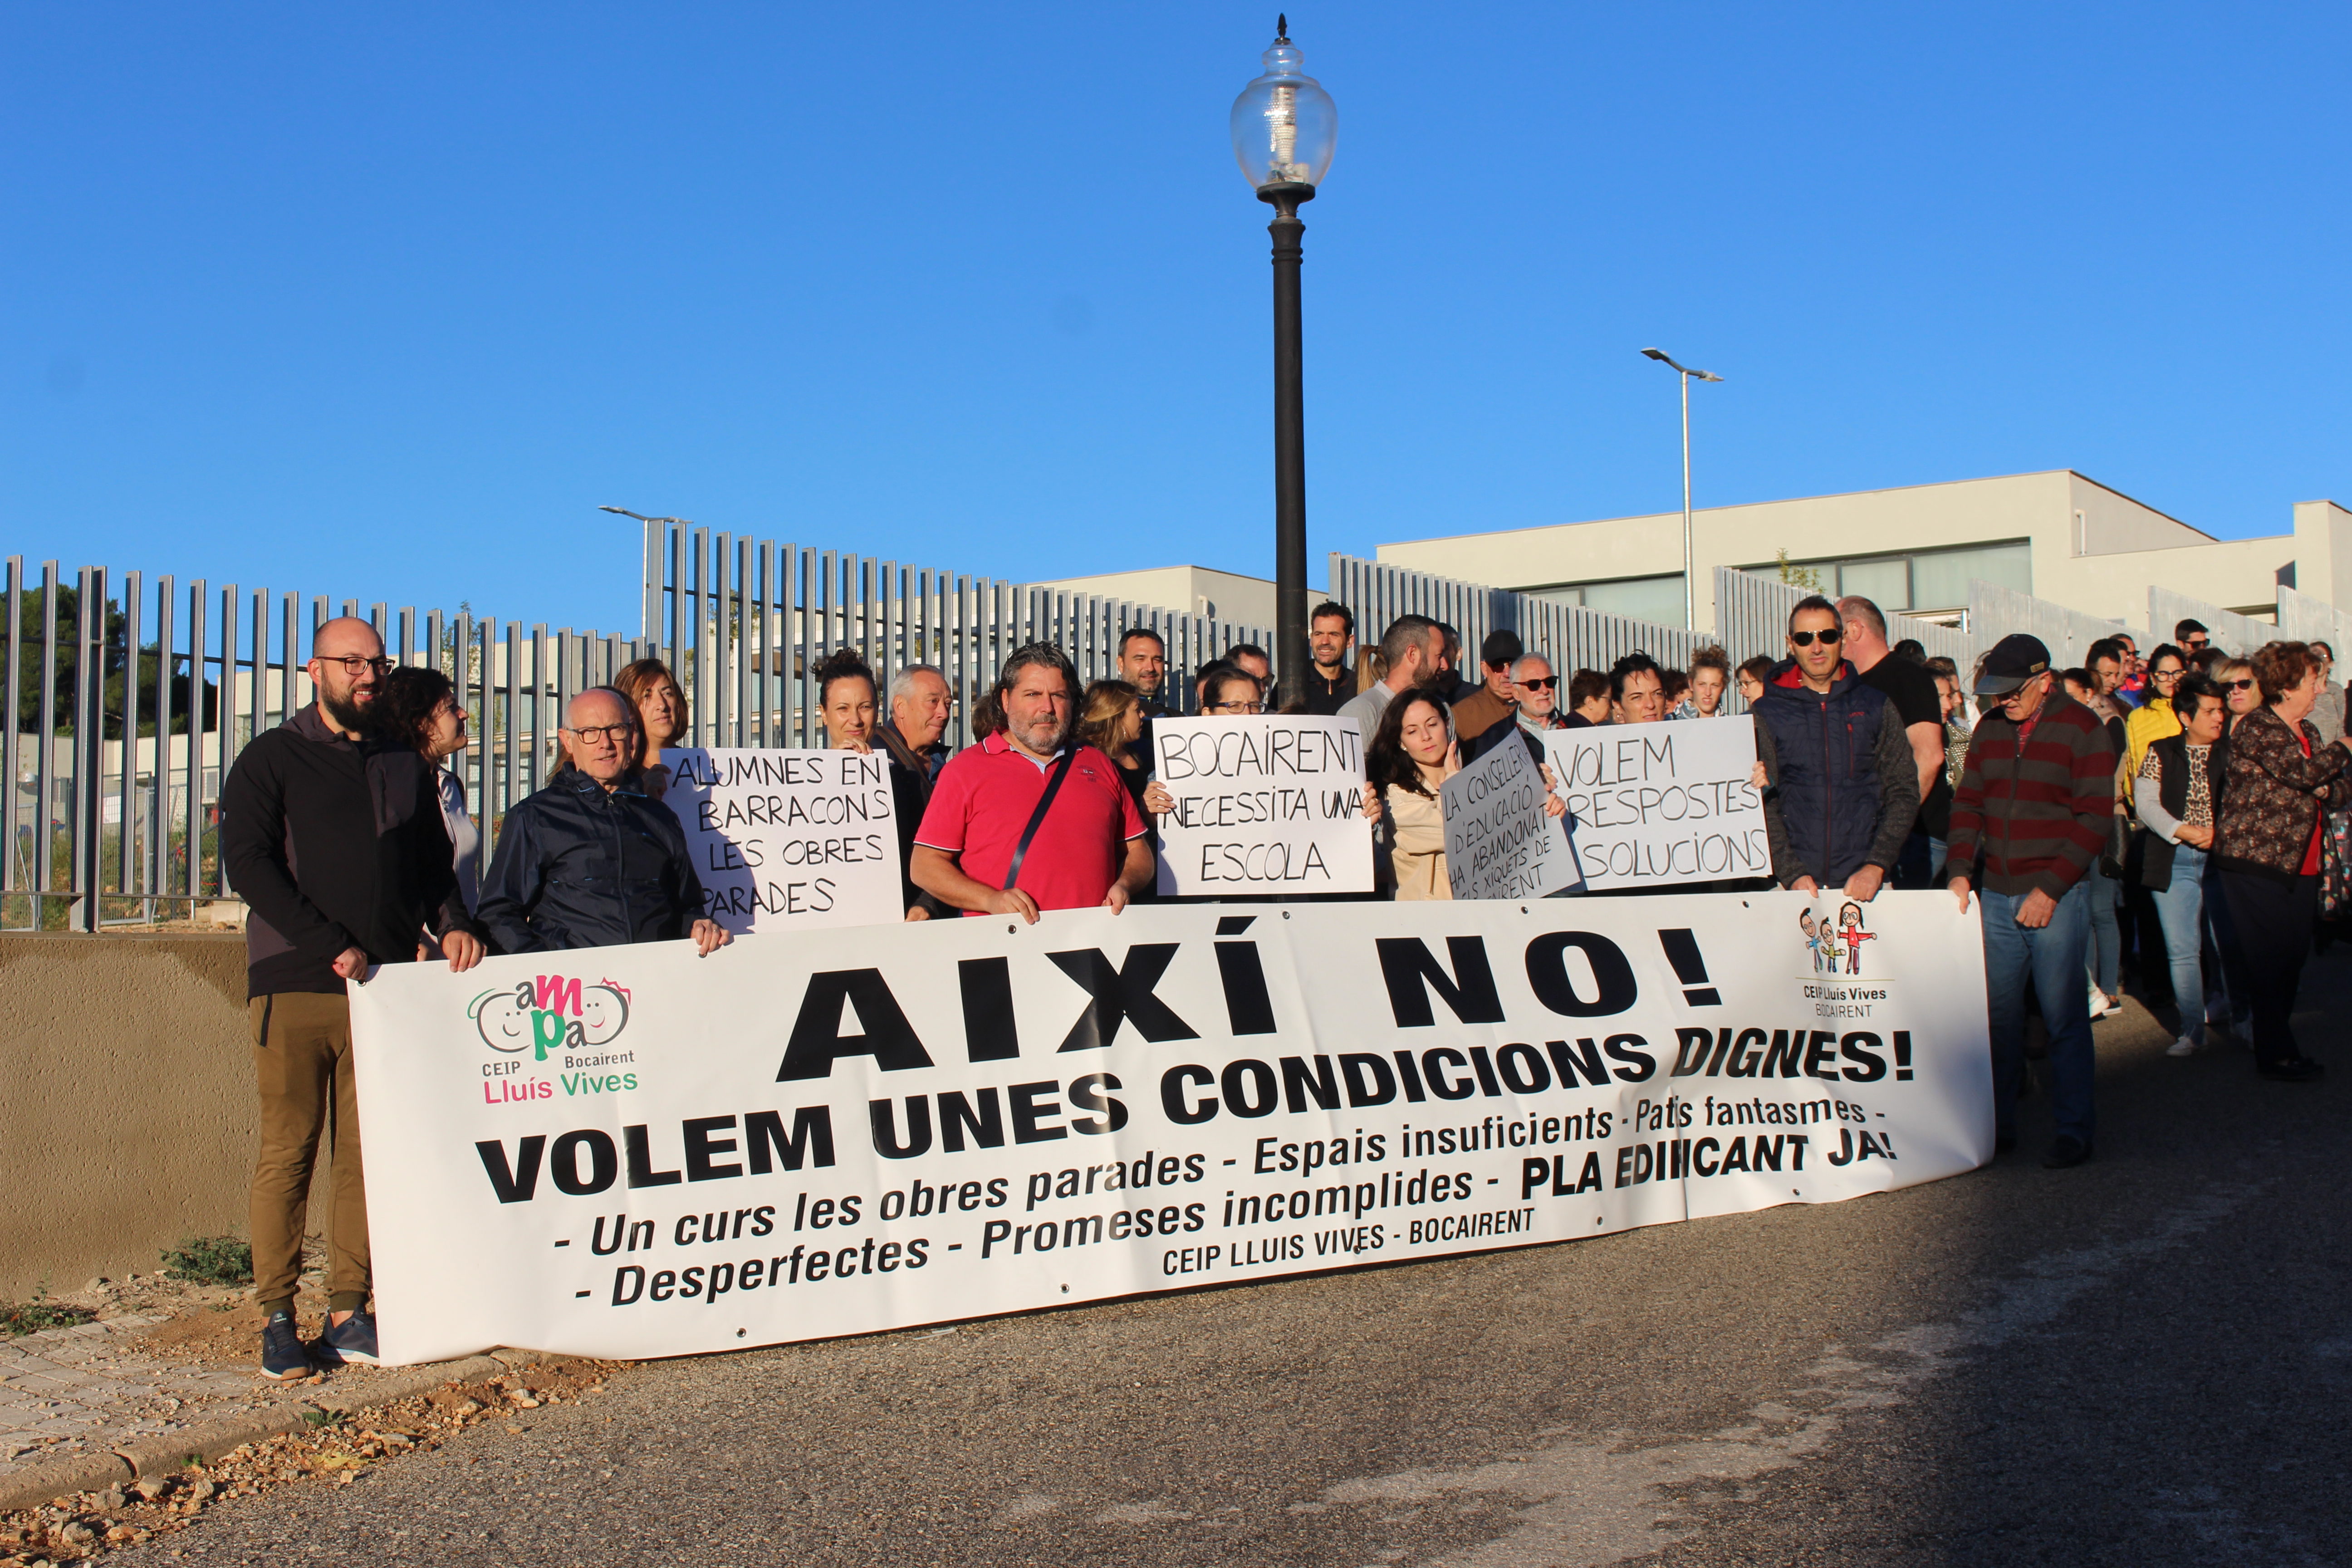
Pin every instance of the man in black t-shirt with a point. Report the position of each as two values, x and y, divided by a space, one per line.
1913 691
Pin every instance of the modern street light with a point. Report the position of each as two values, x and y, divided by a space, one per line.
648 607
1690 597
1284 128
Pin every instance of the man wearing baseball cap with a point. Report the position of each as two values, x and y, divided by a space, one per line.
2030 816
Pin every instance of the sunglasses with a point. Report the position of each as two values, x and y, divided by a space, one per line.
2245 685
1828 635
1546 684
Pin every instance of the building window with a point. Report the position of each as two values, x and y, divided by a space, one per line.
1657 599
1918 582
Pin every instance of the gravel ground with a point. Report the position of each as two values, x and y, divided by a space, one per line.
2144 1361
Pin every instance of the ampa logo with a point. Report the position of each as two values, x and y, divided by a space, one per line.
551 1013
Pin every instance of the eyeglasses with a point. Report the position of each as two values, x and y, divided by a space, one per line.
352 663
1546 684
1236 707
616 733
1827 634
2167 675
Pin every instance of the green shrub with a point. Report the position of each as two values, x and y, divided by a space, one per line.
211 1260
31 1317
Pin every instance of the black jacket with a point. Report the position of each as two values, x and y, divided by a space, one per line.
581 867
332 846
1842 790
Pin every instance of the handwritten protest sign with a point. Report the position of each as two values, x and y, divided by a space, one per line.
788 839
1263 805
1498 842
1653 804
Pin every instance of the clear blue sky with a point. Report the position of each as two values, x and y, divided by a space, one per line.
381 301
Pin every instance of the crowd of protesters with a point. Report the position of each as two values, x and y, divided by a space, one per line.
2194 809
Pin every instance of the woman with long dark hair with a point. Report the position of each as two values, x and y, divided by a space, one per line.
660 707
2280 778
417 707
1411 757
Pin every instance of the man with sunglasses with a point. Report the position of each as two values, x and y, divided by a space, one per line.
2031 813
1535 708
1839 792
592 860
333 838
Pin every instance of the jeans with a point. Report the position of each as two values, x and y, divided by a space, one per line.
2237 985
2182 909
2051 959
2107 943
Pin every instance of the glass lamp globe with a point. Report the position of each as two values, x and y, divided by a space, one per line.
1284 125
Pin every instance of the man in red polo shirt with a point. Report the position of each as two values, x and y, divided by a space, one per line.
1085 848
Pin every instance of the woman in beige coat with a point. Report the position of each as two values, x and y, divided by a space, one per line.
1411 757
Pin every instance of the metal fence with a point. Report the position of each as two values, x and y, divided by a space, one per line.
1752 615
1996 613
2301 618
2238 634
111 800
745 623
1570 636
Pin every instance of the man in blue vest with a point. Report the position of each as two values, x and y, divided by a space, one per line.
1840 788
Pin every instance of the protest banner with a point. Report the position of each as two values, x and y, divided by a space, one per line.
790 838
1650 805
634 1151
1263 805
1499 844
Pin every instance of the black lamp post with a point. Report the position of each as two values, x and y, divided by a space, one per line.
1284 128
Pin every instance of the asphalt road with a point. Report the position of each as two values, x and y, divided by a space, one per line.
2145 1361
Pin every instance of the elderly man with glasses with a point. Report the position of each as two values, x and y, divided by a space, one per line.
592 860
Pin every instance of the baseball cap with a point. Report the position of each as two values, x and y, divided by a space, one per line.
2015 660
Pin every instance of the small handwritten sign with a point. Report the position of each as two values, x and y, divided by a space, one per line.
1651 806
1270 803
790 838
1499 841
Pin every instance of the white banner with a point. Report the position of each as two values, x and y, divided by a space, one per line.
790 838
1650 805
1263 805
634 1151
1499 844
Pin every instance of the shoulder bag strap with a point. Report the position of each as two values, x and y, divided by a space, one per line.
1037 818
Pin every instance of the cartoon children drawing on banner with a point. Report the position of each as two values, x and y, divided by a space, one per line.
1850 927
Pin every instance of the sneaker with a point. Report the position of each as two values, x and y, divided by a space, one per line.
2102 1005
2066 1153
353 1340
282 1355
2186 1046
2302 1069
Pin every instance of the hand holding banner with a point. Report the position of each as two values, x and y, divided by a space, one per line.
789 838
1499 841
1650 805
1263 805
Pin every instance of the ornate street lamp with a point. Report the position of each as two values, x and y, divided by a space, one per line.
1284 128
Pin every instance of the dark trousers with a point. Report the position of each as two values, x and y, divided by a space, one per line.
2272 917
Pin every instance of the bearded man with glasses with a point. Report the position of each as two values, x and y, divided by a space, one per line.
334 837
592 860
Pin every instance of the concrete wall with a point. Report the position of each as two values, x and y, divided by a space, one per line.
127 1106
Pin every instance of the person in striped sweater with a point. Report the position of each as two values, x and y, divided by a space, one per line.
2029 818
